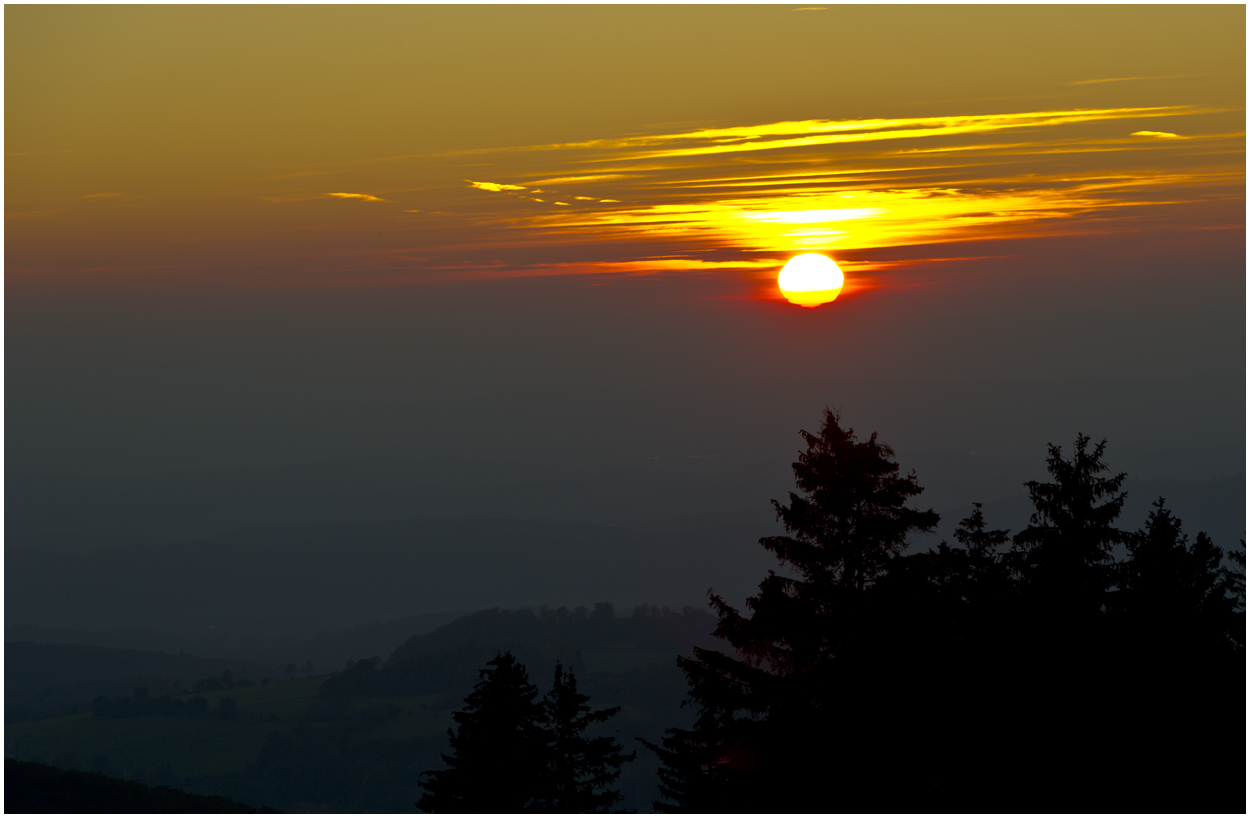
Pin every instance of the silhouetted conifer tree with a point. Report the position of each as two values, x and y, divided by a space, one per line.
1028 681
852 517
985 582
972 535
964 570
580 769
752 747
499 748
1065 555
1176 592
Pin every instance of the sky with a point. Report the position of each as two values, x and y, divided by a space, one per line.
539 240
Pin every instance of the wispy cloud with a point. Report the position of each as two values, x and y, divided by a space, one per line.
761 192
365 197
811 133
877 194
1111 79
835 219
1138 79
657 265
573 180
493 186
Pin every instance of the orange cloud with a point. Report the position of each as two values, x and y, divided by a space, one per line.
813 132
362 196
977 180
572 180
493 186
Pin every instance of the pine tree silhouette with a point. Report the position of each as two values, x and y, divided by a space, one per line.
1065 555
963 679
499 749
512 753
580 769
1176 592
972 535
801 671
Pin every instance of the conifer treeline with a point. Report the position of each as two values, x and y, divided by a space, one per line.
512 753
1072 667
1047 676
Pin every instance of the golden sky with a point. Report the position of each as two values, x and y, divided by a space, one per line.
326 146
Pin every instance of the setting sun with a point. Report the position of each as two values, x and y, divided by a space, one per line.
810 280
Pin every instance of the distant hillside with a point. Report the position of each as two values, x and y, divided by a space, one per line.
42 681
30 787
592 643
347 741
326 649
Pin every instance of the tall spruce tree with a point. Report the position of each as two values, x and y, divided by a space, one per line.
580 769
787 717
499 748
972 535
1065 555
1173 591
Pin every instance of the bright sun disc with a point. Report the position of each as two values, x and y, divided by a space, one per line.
810 280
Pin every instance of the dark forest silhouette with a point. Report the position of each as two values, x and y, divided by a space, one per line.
1050 677
512 753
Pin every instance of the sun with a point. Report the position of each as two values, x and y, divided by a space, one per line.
810 280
